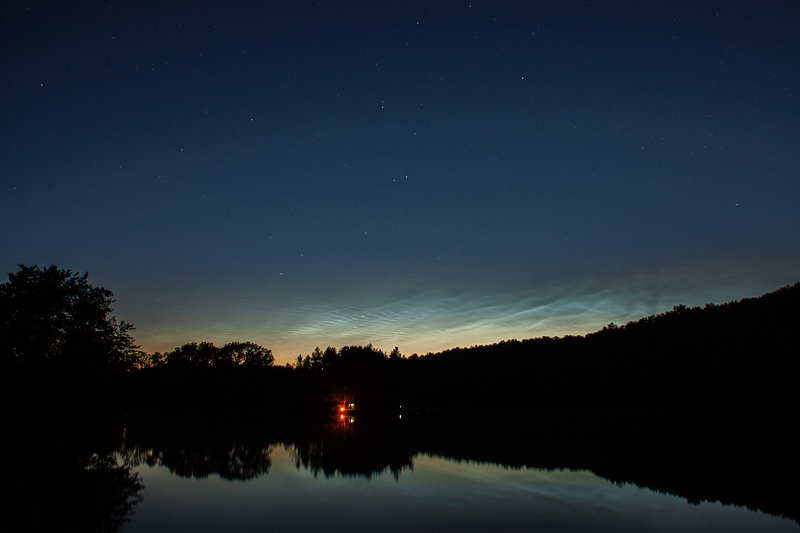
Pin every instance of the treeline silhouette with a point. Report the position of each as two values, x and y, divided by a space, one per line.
207 354
739 355
692 393
732 357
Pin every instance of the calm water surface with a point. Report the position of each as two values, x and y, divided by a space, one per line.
431 494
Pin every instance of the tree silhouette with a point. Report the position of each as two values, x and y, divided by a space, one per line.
232 354
54 317
245 354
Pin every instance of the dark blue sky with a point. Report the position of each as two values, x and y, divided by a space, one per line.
413 174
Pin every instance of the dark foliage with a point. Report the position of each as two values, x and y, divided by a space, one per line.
63 478
52 317
707 370
232 354
735 356
731 357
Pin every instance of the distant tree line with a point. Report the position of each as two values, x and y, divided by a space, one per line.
207 354
54 318
738 355
320 360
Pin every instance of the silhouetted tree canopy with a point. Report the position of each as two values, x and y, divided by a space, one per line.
739 355
52 316
246 354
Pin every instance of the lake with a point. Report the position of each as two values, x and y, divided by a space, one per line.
457 476
471 472
431 494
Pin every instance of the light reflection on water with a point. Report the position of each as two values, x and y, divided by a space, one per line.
433 494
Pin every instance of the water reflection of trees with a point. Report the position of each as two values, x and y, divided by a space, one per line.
745 460
200 458
54 483
115 488
59 481
328 450
352 452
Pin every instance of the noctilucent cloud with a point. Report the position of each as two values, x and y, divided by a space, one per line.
416 174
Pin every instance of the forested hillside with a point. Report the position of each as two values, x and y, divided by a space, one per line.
60 351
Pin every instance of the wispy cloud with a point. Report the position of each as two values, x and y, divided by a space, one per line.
421 312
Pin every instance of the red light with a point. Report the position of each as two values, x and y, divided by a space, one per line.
341 408
341 417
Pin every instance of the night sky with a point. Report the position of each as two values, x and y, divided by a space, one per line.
416 174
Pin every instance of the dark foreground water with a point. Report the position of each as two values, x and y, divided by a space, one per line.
479 472
431 494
